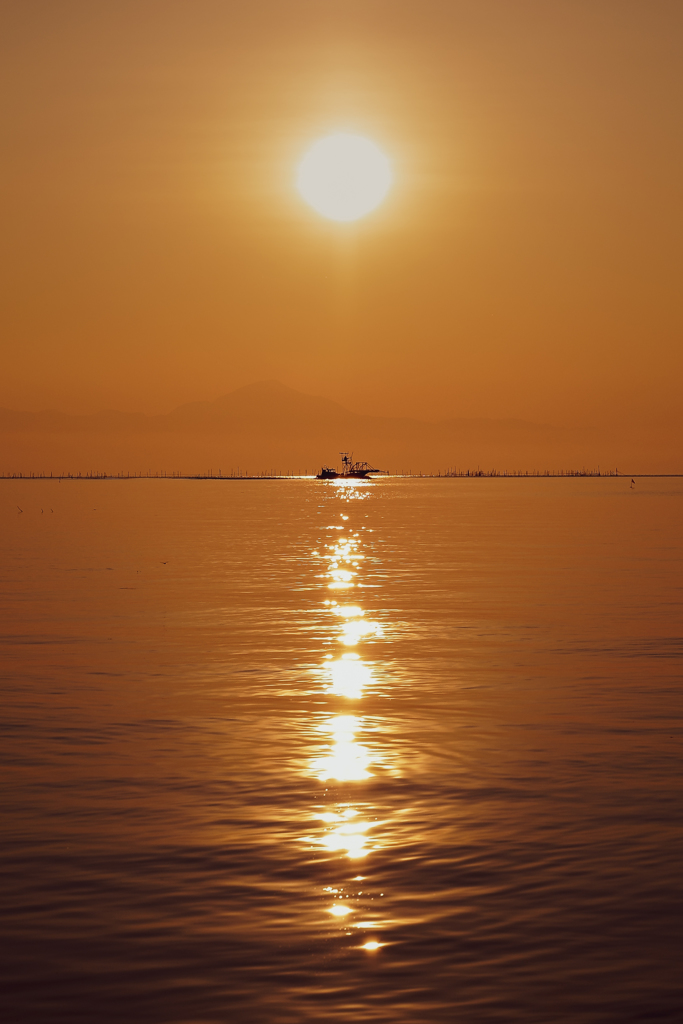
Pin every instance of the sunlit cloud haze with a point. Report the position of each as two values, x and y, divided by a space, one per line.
526 262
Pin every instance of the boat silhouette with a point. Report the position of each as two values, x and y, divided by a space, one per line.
351 470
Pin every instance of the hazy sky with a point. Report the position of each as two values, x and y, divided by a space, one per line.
526 263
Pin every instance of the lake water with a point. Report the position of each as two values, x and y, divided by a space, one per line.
288 751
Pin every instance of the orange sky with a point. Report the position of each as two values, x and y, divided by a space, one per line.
527 262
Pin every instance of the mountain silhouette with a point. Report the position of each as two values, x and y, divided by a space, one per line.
267 426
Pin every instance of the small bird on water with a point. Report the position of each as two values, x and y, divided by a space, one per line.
633 483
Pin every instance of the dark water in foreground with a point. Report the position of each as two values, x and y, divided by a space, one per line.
251 729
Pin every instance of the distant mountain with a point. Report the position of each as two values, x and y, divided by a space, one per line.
267 426
266 403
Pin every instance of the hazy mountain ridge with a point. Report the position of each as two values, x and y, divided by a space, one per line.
263 402
268 426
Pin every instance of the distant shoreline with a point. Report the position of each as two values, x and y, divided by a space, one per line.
465 475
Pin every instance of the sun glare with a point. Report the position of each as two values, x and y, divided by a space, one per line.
344 176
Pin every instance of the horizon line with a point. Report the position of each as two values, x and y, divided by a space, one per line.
469 474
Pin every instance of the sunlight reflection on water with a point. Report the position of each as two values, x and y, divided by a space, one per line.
346 830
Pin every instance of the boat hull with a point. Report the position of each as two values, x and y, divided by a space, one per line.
343 476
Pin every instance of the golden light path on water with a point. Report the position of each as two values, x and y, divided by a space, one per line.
344 829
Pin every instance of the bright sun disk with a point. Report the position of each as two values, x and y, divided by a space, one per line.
344 176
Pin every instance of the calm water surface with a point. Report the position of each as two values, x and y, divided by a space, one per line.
400 752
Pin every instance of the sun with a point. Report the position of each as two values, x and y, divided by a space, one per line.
344 176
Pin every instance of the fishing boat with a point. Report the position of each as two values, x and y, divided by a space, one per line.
351 470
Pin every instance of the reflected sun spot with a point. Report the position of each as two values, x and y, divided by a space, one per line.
347 760
348 611
352 632
349 676
340 910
